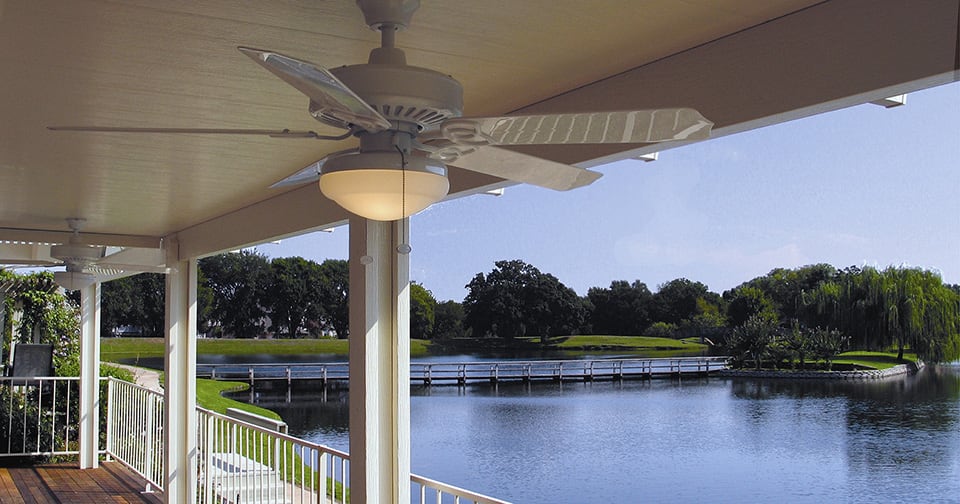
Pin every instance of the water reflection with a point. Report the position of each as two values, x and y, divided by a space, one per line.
726 440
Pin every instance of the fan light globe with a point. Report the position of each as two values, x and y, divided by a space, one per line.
74 280
378 187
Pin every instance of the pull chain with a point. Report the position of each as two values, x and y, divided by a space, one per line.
404 247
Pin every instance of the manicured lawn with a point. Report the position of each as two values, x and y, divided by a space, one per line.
876 360
209 397
114 349
627 343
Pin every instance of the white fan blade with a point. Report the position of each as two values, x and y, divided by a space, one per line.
331 97
112 269
309 174
132 259
525 168
625 126
285 133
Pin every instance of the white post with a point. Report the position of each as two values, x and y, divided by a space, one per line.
90 376
379 362
179 382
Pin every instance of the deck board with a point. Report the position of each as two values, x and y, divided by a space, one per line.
66 483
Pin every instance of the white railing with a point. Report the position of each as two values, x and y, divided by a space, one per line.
426 490
564 370
135 429
38 416
238 462
476 371
242 462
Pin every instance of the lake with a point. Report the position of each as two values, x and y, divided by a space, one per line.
707 439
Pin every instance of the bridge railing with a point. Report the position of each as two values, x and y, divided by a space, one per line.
587 370
462 372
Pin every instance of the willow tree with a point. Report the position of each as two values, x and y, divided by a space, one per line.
933 323
896 307
917 311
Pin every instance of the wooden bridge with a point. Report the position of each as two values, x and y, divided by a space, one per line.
478 371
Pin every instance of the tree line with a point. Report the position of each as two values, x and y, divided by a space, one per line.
240 295
813 311
801 312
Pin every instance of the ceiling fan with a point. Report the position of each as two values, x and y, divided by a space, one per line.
86 264
408 121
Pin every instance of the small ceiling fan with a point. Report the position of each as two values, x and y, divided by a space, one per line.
408 120
86 264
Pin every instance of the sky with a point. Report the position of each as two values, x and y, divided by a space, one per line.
859 186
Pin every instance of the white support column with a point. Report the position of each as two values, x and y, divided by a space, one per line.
179 383
379 362
90 376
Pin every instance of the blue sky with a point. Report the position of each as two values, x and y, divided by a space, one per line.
863 185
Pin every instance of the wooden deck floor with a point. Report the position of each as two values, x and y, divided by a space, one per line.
65 483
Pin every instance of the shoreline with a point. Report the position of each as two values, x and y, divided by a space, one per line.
864 374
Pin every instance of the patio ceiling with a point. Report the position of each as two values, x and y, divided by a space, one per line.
142 63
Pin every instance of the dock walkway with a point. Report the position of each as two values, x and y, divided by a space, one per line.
429 373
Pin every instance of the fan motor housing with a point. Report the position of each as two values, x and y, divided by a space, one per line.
405 93
76 253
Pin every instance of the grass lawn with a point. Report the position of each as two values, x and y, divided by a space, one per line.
627 343
114 349
209 396
875 360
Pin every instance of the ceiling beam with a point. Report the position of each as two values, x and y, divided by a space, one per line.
29 236
292 213
28 254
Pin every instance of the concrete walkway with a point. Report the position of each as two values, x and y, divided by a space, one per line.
147 378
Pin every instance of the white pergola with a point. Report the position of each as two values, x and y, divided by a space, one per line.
171 199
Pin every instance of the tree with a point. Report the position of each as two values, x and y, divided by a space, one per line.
205 302
422 312
826 344
622 309
237 281
676 300
751 340
117 301
448 321
799 341
553 309
334 279
292 295
136 301
150 289
921 313
900 307
516 299
46 315
745 302
707 323
784 288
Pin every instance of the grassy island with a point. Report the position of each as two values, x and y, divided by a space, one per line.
628 343
874 360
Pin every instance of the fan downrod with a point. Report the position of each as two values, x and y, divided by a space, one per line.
404 95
